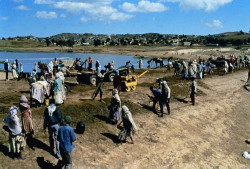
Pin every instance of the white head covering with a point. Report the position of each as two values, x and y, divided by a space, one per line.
13 121
165 84
13 111
7 60
127 114
116 96
57 75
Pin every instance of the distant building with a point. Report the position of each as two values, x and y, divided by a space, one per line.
187 43
212 44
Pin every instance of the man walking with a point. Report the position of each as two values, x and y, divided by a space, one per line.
52 120
165 91
99 83
193 90
66 137
6 68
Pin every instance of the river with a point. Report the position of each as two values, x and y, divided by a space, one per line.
29 59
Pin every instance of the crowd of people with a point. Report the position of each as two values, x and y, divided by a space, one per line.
61 136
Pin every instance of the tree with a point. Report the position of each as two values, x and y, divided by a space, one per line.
70 43
97 42
48 42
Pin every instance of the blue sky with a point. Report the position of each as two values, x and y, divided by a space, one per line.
43 18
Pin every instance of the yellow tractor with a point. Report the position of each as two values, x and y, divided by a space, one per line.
129 82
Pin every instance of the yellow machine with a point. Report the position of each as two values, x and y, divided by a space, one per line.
129 82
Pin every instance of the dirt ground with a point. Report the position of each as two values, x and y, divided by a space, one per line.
210 134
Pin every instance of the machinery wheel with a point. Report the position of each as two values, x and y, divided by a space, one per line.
111 77
133 87
128 89
67 88
92 80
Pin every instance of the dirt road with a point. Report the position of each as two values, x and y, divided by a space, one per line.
210 134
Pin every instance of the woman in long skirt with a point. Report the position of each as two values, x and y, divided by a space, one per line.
26 118
129 127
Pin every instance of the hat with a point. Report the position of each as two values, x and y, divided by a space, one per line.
67 119
23 99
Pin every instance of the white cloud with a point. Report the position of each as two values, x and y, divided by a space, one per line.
144 6
3 18
207 5
97 10
44 1
46 15
73 7
63 16
84 19
22 8
118 16
214 24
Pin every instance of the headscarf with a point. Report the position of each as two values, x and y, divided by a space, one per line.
13 111
42 78
116 96
165 89
7 60
165 84
127 115
51 109
13 121
57 75
23 99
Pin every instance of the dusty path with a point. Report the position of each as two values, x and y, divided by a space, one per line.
208 135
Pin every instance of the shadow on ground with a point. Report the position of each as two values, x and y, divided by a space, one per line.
113 137
105 119
46 164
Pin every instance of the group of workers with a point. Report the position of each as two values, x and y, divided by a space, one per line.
61 135
16 69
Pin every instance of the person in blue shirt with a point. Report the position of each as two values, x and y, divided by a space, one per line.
66 137
157 97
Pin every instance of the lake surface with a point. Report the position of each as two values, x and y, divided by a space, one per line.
29 59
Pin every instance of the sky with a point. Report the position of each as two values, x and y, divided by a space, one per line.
44 18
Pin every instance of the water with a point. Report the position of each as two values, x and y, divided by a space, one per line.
29 59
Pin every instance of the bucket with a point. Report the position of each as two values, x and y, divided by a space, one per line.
46 102
80 128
